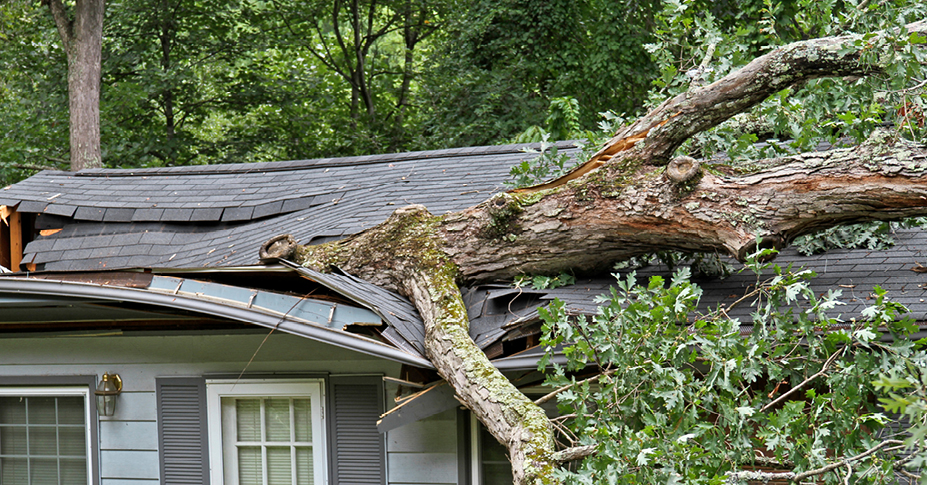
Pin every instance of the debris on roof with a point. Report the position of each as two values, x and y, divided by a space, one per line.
191 230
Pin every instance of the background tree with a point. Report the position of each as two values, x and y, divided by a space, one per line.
371 47
176 73
498 65
81 33
34 118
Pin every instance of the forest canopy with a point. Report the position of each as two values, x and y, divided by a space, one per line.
217 82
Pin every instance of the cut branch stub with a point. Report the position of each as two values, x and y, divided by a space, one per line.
682 169
278 247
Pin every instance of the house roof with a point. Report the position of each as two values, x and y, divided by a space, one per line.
213 217
218 215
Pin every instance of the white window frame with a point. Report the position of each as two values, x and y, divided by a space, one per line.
63 391
216 389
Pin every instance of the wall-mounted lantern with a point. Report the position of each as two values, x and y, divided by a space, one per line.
106 393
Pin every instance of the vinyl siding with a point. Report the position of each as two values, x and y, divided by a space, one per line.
128 441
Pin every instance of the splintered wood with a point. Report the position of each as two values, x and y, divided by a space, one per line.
11 238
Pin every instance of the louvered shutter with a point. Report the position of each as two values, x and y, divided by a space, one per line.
357 451
182 435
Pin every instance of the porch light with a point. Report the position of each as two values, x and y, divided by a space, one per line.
106 393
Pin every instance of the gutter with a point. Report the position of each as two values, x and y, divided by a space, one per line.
283 323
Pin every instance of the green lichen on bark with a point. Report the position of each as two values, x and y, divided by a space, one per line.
613 180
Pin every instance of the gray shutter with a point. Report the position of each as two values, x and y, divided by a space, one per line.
357 448
182 435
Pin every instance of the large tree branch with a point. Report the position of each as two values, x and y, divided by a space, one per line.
630 209
664 129
414 264
623 206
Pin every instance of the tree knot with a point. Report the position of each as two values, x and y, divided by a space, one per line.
277 247
682 169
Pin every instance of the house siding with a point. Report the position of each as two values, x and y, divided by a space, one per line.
424 452
129 440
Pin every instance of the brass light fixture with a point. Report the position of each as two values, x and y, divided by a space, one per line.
106 393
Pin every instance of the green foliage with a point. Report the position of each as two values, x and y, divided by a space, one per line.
868 235
498 66
541 282
701 265
685 397
33 92
836 111
549 163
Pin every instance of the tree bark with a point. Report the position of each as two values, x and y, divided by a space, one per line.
82 39
621 204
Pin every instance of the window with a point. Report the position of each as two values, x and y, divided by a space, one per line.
267 432
491 463
44 436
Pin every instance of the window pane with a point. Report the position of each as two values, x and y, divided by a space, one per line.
491 449
47 440
496 467
277 414
497 474
303 415
44 471
71 441
249 419
249 466
14 471
304 472
73 471
279 469
42 441
41 410
13 410
12 440
71 410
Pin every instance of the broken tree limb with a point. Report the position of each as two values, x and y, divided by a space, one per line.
618 205
659 133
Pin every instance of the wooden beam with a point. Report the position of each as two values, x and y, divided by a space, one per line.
16 240
426 403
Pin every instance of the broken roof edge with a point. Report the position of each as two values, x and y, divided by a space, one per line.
290 165
214 308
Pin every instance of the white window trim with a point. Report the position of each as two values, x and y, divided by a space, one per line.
476 469
58 391
216 389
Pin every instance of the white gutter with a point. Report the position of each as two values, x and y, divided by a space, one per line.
213 307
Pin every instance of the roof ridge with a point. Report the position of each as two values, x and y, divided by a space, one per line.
292 165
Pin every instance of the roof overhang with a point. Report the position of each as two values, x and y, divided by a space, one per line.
217 301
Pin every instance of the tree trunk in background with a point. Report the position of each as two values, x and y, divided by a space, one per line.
82 38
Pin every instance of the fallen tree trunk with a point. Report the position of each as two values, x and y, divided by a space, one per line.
621 204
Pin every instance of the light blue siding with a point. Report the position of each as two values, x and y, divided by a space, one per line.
424 452
129 435
430 468
134 406
128 481
129 464
129 440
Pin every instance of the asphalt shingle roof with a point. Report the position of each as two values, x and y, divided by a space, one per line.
218 215
213 216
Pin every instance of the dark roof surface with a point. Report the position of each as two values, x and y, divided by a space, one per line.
502 312
218 215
